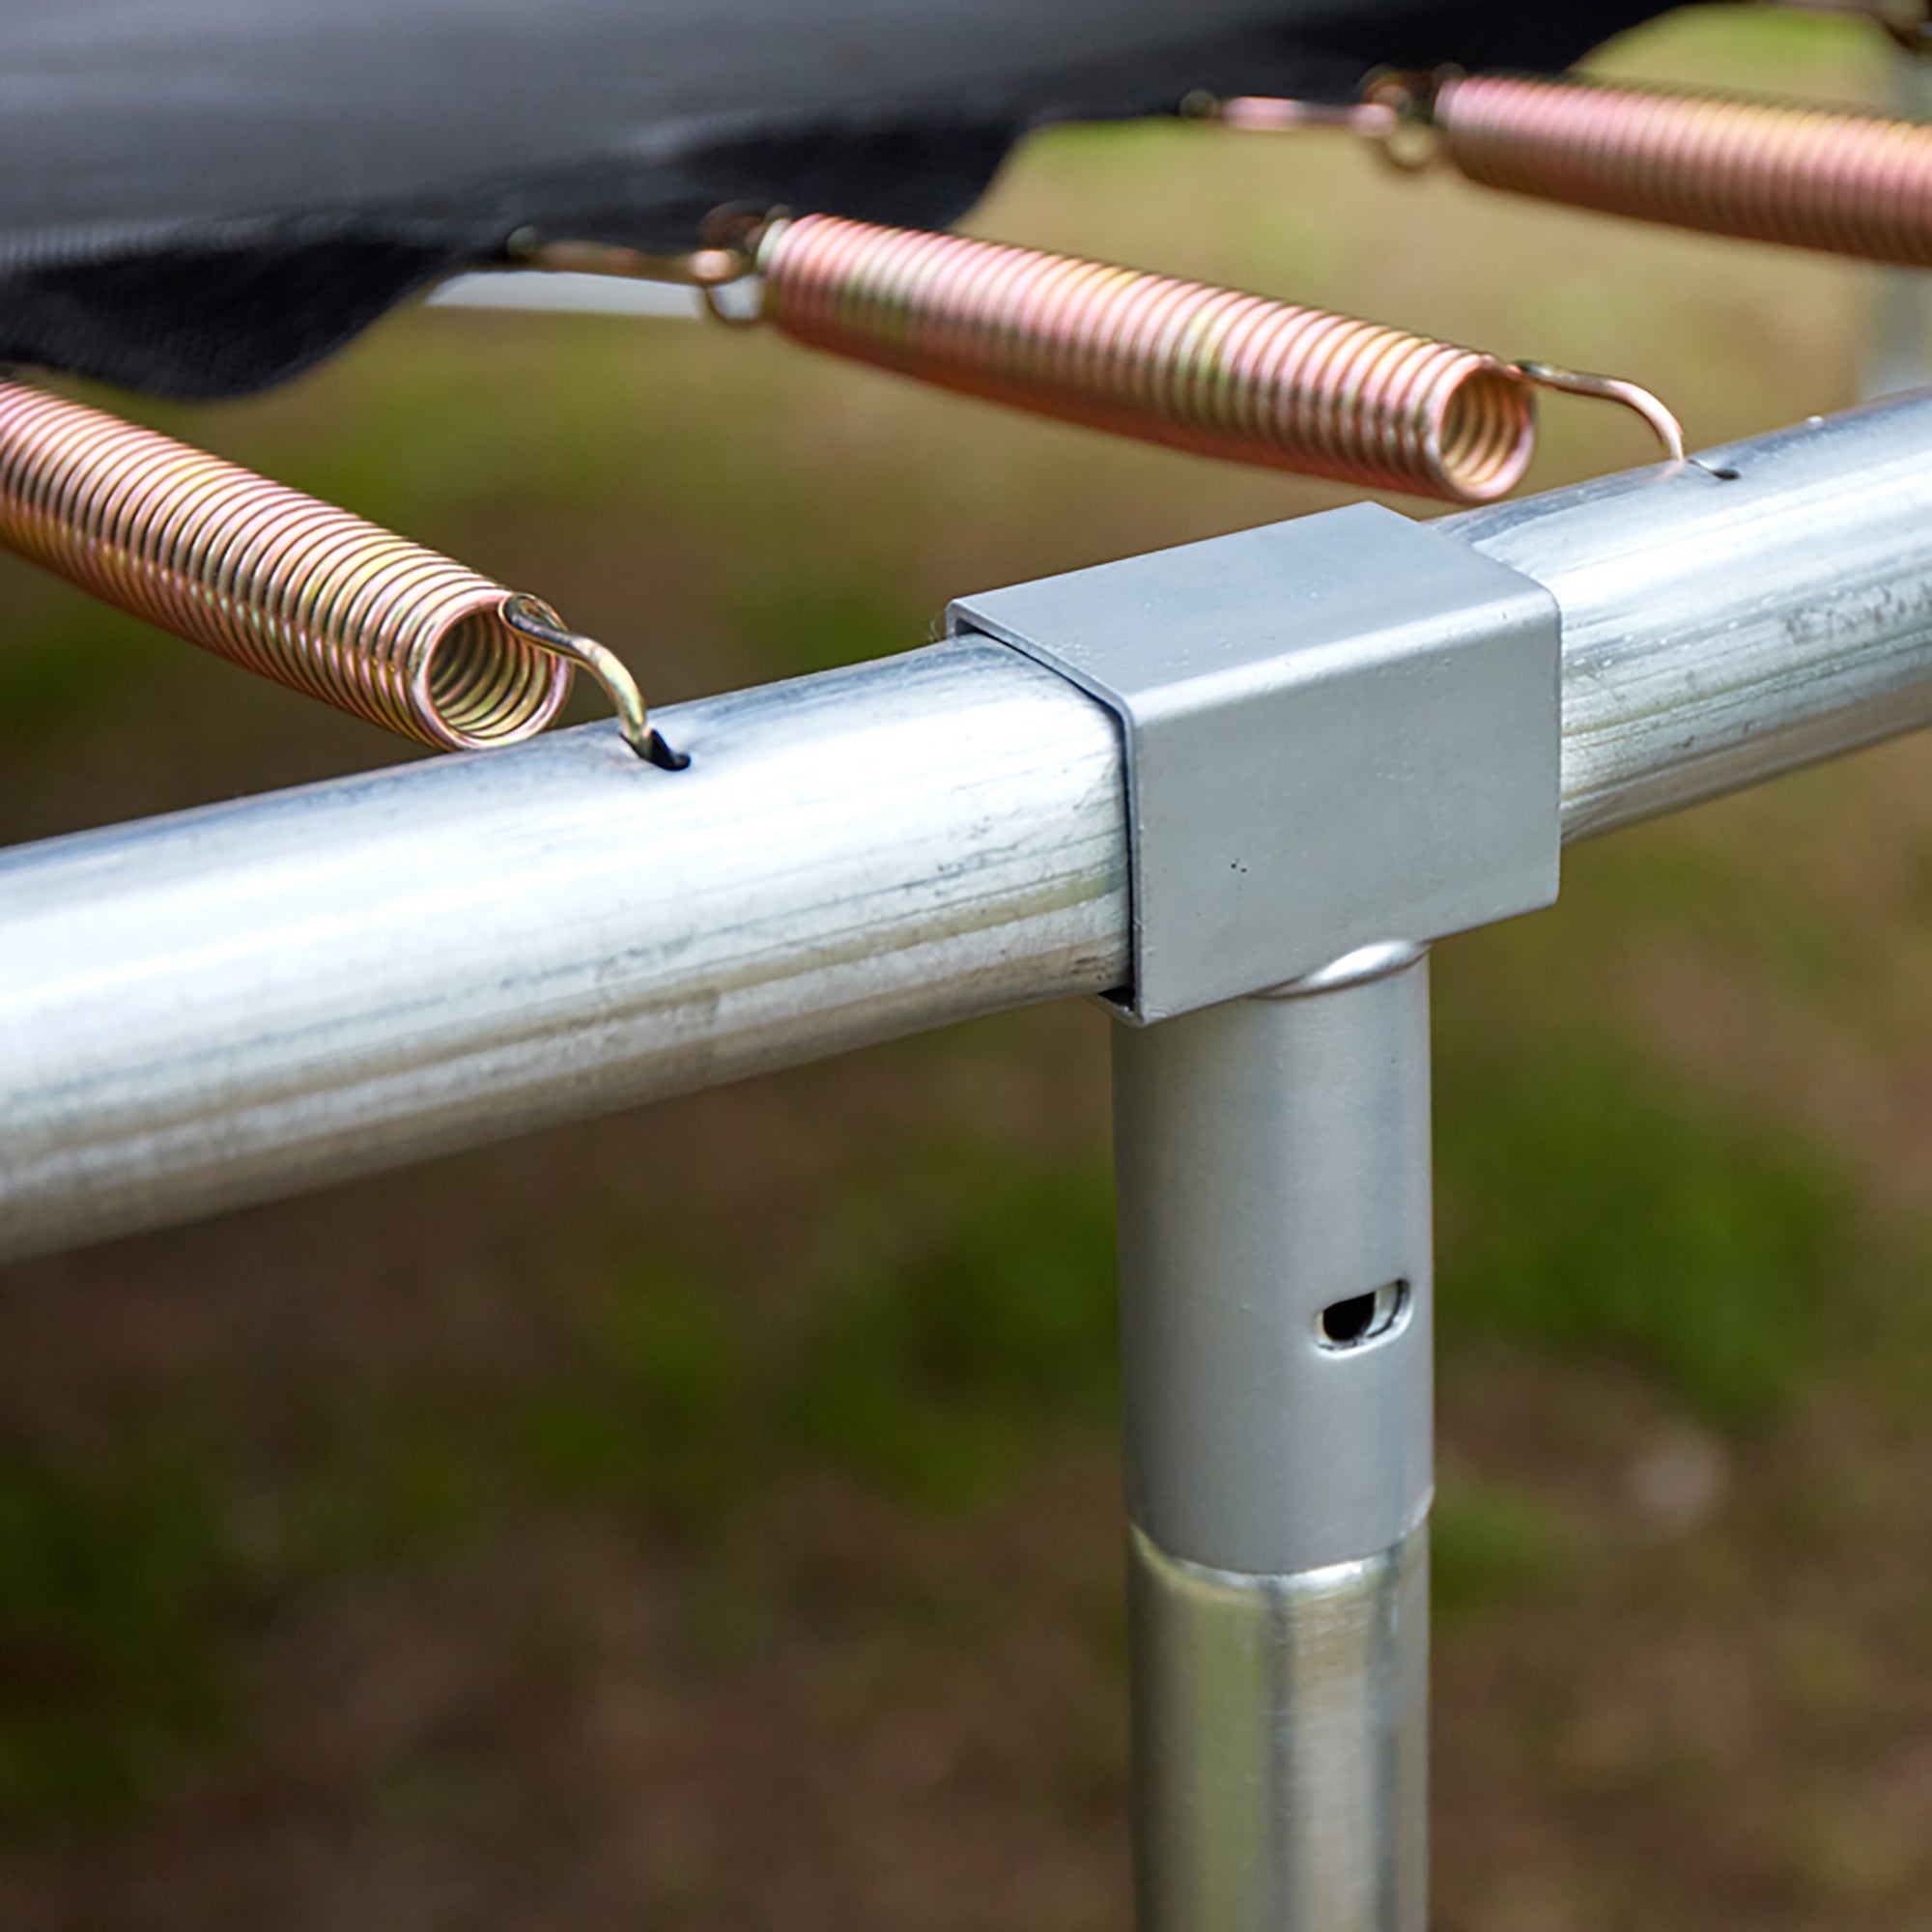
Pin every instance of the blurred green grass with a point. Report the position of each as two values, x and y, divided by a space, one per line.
960 1324
828 1361
1590 1210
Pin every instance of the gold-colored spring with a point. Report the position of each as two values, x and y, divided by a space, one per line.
295 589
1175 362
1844 182
1181 363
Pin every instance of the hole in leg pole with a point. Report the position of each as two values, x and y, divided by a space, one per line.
1359 1319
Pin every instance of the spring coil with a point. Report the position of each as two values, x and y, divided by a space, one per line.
1844 182
287 586
1195 367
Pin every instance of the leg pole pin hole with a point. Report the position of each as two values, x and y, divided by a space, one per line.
1357 1319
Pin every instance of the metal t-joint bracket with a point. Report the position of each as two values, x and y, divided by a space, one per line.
1340 732
1342 742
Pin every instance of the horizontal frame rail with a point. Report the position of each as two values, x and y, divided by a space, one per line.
230 1004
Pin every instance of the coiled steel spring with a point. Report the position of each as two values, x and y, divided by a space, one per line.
1844 182
295 589
1195 367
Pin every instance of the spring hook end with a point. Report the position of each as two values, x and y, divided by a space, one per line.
532 618
1669 432
1272 114
1395 111
709 267
726 258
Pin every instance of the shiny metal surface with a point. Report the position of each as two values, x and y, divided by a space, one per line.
1781 171
1281 1728
243 1001
284 586
240 1002
1272 1162
567 294
1352 670
1214 370
1718 631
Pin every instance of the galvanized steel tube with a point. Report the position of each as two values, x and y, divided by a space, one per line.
1281 1739
1728 621
1272 1160
234 1002
238 1002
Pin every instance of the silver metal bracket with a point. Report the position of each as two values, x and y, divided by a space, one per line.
1339 732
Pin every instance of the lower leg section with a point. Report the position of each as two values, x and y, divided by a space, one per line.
1281 1729
1274 1210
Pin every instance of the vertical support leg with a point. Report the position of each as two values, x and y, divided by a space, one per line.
1275 1259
